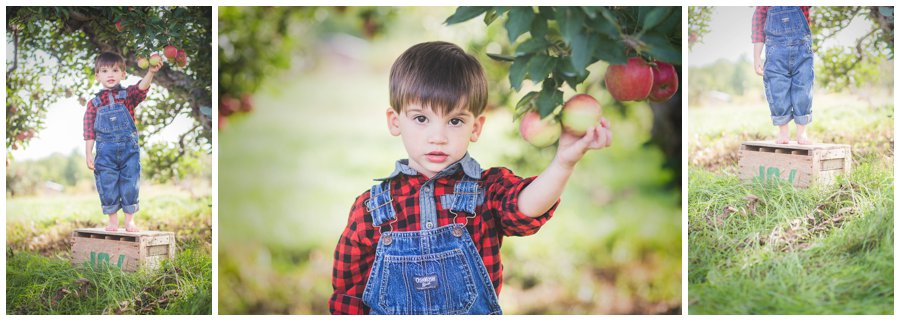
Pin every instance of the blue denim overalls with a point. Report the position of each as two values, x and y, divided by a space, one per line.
117 167
431 271
788 76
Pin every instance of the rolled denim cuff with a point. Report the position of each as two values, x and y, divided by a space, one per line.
130 209
803 120
110 209
781 120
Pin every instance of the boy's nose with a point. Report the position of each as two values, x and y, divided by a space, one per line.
437 136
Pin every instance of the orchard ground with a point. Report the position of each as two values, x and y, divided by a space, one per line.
290 170
774 249
41 280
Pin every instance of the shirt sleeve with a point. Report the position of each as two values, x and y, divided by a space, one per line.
134 96
758 31
353 258
90 114
503 198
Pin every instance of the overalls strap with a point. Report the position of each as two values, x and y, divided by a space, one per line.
96 101
380 204
122 94
465 196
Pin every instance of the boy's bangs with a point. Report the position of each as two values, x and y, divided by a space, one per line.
442 100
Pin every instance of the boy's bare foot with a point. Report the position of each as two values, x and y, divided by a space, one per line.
801 136
129 223
784 135
113 223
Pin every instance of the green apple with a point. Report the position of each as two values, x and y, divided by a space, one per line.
580 113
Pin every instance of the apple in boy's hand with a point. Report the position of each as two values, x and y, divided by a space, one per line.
155 59
631 81
539 132
143 63
580 113
665 82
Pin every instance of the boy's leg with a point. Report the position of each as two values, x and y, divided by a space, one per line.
106 177
801 93
129 186
777 83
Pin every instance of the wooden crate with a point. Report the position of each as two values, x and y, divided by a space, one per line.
125 250
801 165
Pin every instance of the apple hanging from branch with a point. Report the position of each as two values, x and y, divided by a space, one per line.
631 81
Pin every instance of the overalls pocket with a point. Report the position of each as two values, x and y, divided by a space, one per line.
438 283
112 119
779 23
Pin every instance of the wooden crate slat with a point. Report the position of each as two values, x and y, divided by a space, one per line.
802 165
128 251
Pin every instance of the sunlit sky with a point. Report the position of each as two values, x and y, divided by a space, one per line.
729 36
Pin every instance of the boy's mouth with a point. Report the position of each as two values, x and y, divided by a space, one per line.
436 157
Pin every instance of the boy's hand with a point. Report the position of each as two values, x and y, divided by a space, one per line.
89 159
758 66
156 68
572 148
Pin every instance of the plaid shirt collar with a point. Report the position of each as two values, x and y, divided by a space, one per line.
469 166
113 89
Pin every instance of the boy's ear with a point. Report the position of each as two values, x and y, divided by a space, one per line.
476 129
393 122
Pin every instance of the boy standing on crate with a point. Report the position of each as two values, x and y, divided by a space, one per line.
788 69
426 238
109 120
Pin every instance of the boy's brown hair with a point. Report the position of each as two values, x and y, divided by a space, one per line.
109 59
438 75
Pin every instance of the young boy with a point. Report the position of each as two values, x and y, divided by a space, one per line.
426 239
109 120
788 71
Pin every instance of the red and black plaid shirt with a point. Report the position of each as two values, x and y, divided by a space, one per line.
497 217
134 95
759 23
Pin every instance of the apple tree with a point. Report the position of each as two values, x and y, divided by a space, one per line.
555 45
52 58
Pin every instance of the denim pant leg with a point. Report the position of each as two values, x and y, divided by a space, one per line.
777 82
130 177
801 86
106 176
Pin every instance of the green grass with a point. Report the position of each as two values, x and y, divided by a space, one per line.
290 171
41 280
773 249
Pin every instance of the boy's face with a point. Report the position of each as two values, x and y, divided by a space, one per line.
434 141
110 76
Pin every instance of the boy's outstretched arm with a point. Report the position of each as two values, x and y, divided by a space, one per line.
148 78
537 198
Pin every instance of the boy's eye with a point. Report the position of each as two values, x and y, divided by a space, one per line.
420 119
456 122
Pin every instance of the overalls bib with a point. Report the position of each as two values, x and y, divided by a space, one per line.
788 76
117 167
431 271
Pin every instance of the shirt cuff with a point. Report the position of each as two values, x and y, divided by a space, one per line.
517 223
346 304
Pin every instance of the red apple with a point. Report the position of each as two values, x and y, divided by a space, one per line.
580 113
119 26
170 51
246 103
665 82
143 63
155 60
539 132
631 81
228 105
181 59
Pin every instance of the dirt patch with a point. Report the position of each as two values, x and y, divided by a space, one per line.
720 152
798 233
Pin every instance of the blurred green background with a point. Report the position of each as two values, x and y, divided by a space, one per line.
315 136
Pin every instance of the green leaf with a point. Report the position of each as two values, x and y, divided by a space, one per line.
539 27
526 101
540 66
499 57
582 52
464 14
549 99
591 12
547 12
649 17
517 72
519 20
609 50
532 45
570 23
661 48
